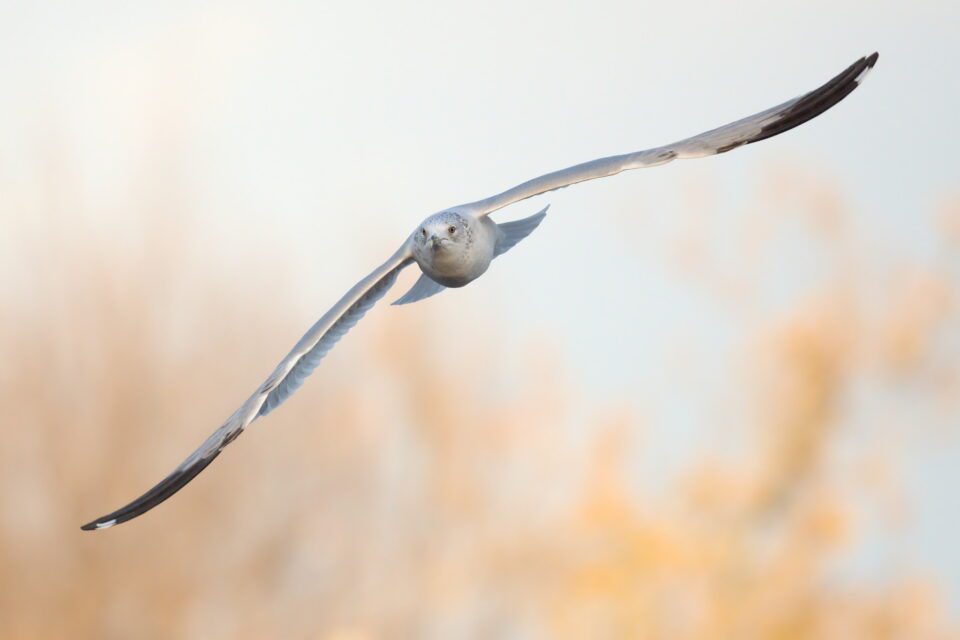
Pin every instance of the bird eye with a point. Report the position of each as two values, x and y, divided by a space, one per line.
424 232
451 230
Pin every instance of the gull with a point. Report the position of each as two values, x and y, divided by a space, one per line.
455 247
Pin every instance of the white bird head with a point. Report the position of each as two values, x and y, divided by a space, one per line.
445 232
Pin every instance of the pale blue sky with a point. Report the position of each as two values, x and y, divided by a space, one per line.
330 130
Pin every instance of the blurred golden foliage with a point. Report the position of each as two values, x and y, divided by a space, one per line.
373 505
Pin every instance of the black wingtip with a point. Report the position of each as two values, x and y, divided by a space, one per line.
819 100
166 488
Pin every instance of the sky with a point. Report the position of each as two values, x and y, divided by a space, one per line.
328 130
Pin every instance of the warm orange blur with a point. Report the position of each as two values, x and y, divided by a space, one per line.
373 506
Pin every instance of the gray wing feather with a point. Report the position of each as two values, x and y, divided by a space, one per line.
309 361
280 385
754 128
513 232
423 288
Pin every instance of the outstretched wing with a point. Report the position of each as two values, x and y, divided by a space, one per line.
757 127
285 379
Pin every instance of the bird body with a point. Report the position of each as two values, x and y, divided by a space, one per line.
455 247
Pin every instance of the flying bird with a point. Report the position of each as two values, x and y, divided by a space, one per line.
455 246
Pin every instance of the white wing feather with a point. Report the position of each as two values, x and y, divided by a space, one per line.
280 385
757 127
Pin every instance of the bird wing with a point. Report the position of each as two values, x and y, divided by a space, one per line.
757 127
281 384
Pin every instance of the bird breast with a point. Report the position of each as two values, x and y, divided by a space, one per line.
455 264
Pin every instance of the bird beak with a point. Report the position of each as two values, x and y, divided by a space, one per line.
436 241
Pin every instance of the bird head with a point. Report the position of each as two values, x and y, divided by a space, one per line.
442 232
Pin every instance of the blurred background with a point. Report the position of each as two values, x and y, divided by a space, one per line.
718 399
